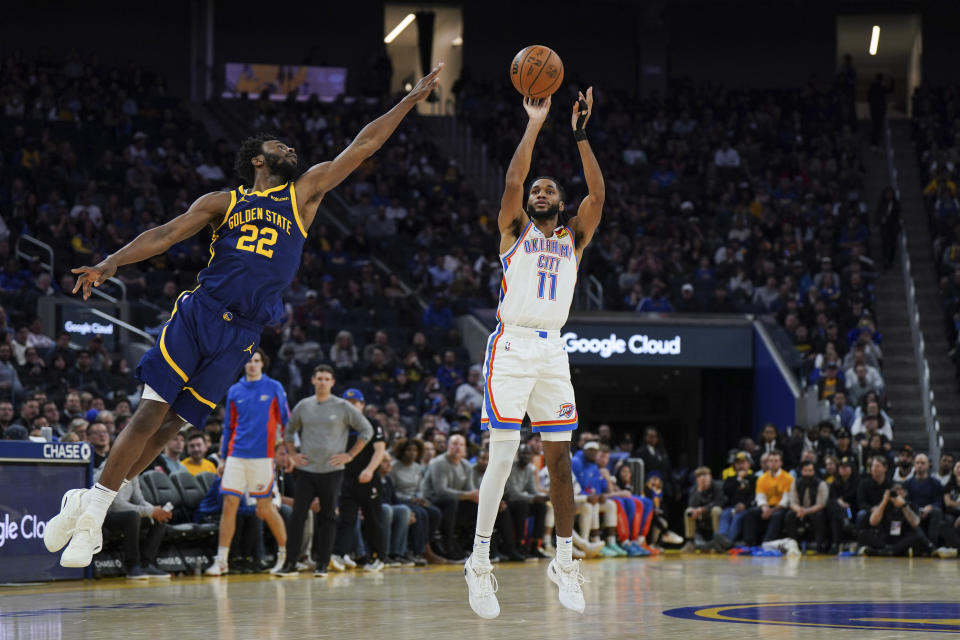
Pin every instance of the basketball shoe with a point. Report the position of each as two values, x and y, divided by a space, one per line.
86 541
60 528
482 586
218 568
568 580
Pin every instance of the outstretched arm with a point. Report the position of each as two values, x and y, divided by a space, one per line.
511 204
323 177
591 208
205 210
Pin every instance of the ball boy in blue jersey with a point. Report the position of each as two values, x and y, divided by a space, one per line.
258 235
256 413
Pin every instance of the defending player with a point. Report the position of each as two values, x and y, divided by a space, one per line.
258 236
526 369
256 413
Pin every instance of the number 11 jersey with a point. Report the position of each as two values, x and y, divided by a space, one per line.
539 276
255 253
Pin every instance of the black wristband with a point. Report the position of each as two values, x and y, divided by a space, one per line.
579 134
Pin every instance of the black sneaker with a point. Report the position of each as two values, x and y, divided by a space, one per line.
288 570
154 573
320 572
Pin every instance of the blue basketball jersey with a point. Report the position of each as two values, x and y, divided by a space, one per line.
255 252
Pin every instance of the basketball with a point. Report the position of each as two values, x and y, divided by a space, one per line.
536 71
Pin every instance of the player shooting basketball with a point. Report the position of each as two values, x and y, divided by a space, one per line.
526 369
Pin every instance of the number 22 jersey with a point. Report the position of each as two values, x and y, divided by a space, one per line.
539 277
255 253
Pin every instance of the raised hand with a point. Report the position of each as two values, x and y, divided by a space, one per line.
537 108
426 84
93 276
579 111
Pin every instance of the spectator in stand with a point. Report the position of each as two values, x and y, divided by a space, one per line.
770 440
904 469
871 489
840 412
945 468
84 377
808 503
739 516
448 484
829 380
10 387
398 520
702 517
344 355
449 374
131 514
656 302
894 529
170 458
926 497
773 495
196 461
100 441
406 474
6 415
687 302
381 341
438 314
470 393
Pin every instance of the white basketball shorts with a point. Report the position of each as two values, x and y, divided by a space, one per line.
253 476
526 371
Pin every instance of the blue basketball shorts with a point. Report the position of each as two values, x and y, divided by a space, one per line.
201 351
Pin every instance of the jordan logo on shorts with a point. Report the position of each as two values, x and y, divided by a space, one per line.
250 349
566 410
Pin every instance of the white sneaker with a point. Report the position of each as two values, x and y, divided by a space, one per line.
671 538
349 562
218 568
568 580
281 560
87 540
373 567
482 586
60 528
577 553
336 564
945 552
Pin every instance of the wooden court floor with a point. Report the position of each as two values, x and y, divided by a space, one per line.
686 597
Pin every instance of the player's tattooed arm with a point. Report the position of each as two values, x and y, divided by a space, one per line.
591 208
511 204
207 209
321 178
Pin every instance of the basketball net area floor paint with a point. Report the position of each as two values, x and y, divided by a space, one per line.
700 597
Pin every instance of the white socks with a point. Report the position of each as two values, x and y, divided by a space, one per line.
481 550
223 554
495 477
100 500
565 551
612 540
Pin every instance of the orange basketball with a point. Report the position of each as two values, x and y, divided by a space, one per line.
536 71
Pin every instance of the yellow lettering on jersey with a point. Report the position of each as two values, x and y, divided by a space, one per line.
247 215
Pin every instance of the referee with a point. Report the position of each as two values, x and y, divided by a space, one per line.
324 423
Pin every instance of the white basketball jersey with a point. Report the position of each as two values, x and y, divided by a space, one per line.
539 276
